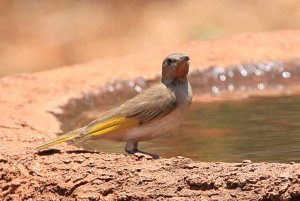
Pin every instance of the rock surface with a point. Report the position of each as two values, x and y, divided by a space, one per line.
54 175
27 100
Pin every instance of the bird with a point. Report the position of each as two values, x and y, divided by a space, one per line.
151 113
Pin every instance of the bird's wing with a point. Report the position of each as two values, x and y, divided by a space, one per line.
153 103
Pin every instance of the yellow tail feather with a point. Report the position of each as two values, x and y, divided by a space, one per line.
64 138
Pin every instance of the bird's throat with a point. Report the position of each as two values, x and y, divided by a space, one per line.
182 70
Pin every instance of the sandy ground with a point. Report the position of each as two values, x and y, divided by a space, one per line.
27 100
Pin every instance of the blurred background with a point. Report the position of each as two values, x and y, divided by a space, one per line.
37 35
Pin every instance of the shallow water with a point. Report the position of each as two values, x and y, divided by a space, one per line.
259 129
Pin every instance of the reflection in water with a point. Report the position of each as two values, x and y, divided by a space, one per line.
259 129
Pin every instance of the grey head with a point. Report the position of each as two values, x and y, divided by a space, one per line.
175 67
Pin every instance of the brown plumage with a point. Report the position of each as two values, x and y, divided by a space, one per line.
149 114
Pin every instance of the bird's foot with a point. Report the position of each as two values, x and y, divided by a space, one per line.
143 154
132 148
146 154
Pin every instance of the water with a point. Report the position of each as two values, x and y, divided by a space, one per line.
257 128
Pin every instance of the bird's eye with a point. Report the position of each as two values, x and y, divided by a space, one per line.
169 61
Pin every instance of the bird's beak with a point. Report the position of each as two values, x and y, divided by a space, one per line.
185 57
183 67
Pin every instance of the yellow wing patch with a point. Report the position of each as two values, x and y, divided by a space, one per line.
109 126
114 124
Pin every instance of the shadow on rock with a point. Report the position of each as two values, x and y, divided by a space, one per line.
56 151
48 152
81 151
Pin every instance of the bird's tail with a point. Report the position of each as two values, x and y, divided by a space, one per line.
63 138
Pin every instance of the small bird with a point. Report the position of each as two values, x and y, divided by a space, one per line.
149 114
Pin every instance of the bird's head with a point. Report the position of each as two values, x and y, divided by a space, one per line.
175 67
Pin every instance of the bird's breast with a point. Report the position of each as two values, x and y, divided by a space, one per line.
156 128
183 93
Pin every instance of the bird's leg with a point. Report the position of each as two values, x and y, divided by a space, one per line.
132 148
